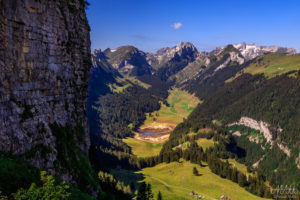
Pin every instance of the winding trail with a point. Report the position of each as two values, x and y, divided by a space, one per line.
178 187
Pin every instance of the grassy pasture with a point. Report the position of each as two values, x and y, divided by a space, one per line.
142 148
275 64
205 143
126 82
181 104
272 64
175 181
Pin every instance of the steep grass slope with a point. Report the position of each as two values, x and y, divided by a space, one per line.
175 181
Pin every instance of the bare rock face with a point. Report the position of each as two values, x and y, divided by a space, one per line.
257 125
183 50
44 70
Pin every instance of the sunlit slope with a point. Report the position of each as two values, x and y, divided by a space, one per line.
272 64
143 148
124 82
175 181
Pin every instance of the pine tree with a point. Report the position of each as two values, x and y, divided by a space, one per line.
141 195
132 186
195 171
242 179
145 192
149 194
159 196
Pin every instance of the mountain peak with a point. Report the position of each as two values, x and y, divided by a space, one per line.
180 44
250 51
125 59
185 45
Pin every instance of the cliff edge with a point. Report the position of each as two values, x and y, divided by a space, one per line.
44 74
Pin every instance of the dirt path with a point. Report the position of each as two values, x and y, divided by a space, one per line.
178 187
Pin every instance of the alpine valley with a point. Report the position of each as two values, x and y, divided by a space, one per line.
120 124
232 113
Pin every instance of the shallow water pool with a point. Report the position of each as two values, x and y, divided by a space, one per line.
148 133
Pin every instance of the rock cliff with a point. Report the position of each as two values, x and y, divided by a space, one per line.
44 72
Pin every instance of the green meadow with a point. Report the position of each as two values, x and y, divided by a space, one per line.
127 81
143 149
181 104
175 180
272 64
203 142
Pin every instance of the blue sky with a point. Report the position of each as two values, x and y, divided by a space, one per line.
153 24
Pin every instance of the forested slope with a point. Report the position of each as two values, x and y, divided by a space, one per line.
274 101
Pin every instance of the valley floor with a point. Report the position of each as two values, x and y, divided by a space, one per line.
162 123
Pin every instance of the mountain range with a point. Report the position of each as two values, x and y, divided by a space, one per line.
183 61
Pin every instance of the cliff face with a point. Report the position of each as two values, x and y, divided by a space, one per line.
44 70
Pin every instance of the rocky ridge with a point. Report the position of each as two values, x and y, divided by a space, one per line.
182 61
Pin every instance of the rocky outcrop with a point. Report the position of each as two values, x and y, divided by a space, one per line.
234 57
257 125
44 70
257 162
298 161
265 129
285 149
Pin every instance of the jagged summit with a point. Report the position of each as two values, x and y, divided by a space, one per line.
185 45
180 47
164 55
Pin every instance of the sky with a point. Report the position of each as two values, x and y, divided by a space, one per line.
153 24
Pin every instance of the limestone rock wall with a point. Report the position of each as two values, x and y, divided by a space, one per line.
44 70
257 125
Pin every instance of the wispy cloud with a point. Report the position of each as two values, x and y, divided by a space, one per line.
177 25
141 37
